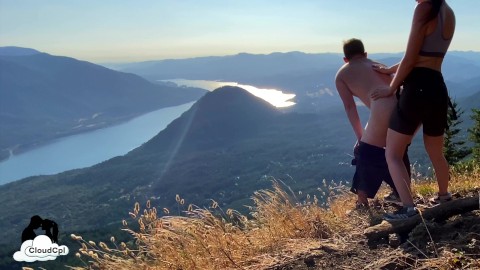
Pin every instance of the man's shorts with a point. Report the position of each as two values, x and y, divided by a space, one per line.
372 169
424 100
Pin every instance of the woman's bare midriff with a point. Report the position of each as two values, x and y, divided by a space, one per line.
434 63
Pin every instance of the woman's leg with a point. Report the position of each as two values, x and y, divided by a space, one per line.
434 148
396 145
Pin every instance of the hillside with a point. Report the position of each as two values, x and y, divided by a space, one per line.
223 117
199 161
471 102
227 146
286 232
43 97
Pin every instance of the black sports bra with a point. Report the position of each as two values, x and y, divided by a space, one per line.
434 45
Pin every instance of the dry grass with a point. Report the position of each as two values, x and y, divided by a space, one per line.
463 180
280 229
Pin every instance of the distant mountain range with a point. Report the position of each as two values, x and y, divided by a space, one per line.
43 97
309 76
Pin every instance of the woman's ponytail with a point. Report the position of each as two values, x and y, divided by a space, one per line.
436 5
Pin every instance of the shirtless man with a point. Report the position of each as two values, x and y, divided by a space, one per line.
357 78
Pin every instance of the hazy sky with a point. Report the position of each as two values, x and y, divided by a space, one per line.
120 30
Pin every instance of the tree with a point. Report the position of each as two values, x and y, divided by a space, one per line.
453 148
474 134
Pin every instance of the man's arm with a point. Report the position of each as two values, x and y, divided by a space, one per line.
350 107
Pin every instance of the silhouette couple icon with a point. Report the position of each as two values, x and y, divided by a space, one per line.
49 226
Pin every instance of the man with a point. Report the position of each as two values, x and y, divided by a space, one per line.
357 78
29 232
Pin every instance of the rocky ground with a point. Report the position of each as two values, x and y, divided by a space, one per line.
450 244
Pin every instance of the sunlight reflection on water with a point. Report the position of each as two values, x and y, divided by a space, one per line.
275 97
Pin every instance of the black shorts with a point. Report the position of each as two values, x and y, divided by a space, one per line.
424 100
372 169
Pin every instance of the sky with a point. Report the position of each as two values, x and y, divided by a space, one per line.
109 31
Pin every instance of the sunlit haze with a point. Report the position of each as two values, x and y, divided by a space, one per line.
125 31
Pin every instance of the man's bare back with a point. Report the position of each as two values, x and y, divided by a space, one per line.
357 78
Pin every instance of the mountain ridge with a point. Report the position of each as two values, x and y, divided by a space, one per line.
43 97
307 75
17 51
215 112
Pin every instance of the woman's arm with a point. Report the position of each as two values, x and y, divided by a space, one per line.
415 42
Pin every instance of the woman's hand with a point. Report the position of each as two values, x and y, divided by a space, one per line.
382 92
384 69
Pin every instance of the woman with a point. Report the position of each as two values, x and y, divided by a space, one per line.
53 233
423 100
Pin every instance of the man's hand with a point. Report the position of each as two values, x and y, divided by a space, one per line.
381 92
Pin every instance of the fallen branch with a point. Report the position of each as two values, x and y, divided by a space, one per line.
437 213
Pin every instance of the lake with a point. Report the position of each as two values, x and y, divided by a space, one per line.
87 149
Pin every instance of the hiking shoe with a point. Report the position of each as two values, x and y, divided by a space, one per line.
404 213
393 198
441 198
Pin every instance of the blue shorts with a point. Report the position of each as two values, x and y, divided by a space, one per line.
372 169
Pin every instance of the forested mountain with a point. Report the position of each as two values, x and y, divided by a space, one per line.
43 97
223 148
